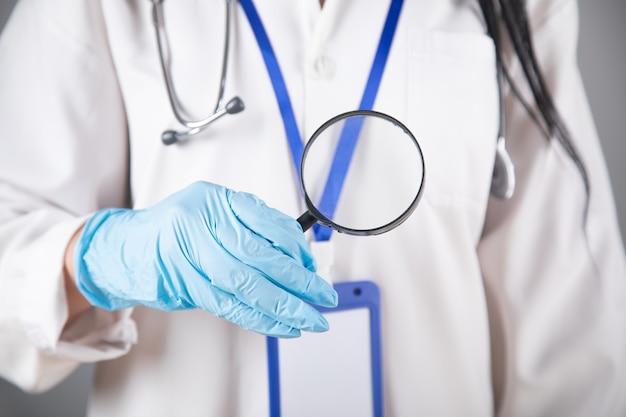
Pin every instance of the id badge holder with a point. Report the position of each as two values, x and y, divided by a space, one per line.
337 373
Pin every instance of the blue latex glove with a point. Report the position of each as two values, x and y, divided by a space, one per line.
205 247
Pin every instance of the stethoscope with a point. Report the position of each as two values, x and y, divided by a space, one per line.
234 105
503 179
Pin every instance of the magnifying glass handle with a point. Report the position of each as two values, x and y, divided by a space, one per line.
306 221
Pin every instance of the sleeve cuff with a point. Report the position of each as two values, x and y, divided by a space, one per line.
32 299
98 335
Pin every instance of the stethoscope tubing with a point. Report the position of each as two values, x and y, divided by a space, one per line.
234 105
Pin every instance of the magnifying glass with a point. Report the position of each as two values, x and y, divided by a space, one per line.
362 173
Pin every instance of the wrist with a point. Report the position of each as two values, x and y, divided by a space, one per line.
76 302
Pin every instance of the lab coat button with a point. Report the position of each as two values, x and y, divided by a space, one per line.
323 67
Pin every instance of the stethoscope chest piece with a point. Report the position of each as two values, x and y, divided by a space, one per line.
503 179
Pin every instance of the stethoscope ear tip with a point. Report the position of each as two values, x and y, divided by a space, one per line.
235 105
169 137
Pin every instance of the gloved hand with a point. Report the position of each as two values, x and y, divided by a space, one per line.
205 247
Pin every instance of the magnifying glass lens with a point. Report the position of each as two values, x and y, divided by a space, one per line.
362 173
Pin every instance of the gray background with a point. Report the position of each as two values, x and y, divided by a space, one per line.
602 58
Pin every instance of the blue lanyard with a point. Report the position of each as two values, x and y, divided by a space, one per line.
347 140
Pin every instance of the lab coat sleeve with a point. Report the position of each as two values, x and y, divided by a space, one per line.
555 282
63 155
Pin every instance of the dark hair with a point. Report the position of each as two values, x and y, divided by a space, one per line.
515 18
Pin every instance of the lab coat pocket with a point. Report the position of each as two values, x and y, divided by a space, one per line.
453 107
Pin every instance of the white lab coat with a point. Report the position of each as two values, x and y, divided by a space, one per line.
489 307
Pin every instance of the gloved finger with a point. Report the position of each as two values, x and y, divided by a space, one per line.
257 291
227 306
280 230
290 276
248 249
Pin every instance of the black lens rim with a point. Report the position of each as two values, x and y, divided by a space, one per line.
347 230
